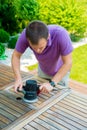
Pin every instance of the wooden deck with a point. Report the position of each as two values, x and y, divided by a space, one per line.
59 110
7 76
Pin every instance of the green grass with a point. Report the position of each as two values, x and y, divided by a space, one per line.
79 68
32 67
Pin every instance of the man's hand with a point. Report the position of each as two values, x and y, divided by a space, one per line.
18 85
46 88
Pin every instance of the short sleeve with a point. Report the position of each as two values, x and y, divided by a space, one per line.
22 43
65 43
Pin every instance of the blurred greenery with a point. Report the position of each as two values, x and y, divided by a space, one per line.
2 49
79 68
32 67
8 20
4 36
15 14
27 11
12 41
71 14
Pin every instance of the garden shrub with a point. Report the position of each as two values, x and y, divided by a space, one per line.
8 16
70 14
27 10
2 49
12 41
4 36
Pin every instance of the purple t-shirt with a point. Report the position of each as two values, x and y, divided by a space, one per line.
59 44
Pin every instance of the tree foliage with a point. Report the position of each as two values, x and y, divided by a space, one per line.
71 14
8 20
26 11
4 36
14 14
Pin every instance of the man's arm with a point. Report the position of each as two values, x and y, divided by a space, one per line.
16 69
67 64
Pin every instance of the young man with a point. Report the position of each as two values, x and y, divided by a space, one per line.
52 47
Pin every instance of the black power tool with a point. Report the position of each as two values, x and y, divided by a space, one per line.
30 91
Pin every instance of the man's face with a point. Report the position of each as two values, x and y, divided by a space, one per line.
40 46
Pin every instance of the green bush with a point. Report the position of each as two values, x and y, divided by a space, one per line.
27 10
70 14
12 41
2 49
74 37
8 16
4 36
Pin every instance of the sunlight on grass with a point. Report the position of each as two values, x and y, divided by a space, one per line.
79 68
35 66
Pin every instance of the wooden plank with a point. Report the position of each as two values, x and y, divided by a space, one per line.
28 127
78 87
75 110
7 76
59 121
53 111
13 96
2 124
4 119
13 105
10 110
78 101
7 115
45 124
36 125
24 129
52 123
74 106
12 100
29 116
75 103
62 118
70 112
78 97
69 116
65 121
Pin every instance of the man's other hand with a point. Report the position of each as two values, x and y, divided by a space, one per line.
46 88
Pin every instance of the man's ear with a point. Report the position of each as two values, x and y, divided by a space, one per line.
48 36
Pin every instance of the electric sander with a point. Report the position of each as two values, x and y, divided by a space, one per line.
30 91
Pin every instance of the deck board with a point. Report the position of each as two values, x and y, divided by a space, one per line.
15 111
63 117
59 110
7 76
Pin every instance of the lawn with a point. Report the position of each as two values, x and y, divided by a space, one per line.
79 68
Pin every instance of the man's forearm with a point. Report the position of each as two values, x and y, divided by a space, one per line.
61 73
16 66
67 64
